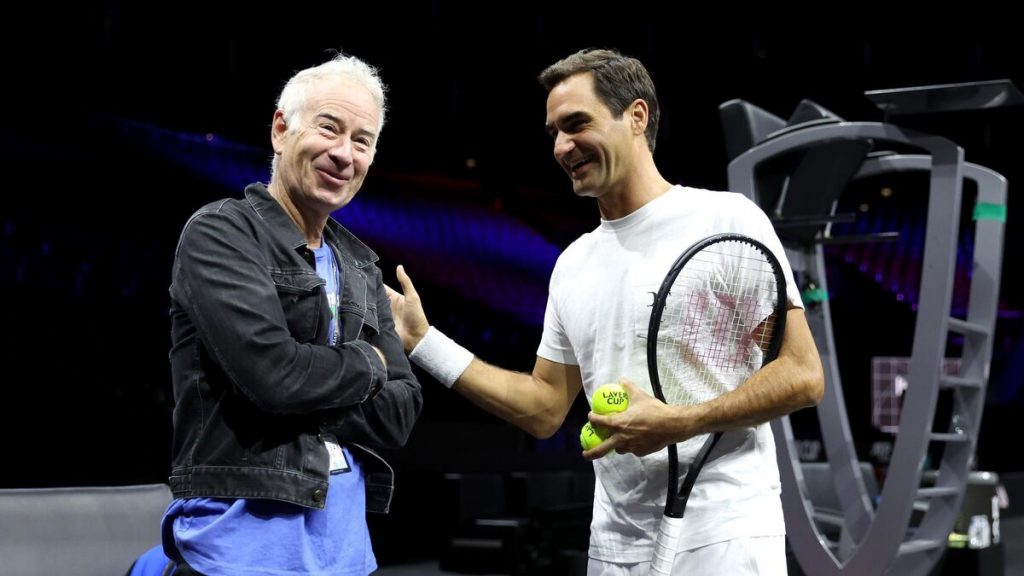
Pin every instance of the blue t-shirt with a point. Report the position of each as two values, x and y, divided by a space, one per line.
253 536
327 268
152 562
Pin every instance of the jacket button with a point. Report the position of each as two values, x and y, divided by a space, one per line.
318 495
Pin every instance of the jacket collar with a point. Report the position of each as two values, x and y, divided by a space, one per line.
275 216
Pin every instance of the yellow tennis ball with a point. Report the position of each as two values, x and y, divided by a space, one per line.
589 437
610 398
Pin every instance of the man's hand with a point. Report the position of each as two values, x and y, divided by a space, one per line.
648 425
410 320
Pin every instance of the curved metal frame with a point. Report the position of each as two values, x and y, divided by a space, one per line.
875 541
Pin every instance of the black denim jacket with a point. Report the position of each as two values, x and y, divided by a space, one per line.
256 384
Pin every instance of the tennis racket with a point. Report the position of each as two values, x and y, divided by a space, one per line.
718 316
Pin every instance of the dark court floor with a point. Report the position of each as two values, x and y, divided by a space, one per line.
1012 537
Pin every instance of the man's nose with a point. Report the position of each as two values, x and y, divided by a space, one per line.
563 145
342 150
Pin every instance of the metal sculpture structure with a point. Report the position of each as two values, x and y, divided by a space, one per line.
888 538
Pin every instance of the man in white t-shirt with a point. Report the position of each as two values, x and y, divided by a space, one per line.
602 113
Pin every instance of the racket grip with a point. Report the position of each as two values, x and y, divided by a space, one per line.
665 547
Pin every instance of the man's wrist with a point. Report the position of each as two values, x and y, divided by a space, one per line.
415 339
441 357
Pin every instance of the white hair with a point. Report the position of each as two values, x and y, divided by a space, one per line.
292 100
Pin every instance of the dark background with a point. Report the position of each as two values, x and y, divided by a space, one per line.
100 99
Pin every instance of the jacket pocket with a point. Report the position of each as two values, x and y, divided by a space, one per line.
303 303
371 325
359 306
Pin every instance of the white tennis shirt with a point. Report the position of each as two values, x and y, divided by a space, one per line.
599 305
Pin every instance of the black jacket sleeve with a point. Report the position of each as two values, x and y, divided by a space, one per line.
385 420
223 282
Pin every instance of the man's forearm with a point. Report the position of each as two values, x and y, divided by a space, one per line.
516 397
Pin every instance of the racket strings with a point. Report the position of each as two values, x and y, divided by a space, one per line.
717 322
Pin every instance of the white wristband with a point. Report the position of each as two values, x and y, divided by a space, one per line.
441 357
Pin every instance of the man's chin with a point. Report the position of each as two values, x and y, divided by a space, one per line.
583 190
335 199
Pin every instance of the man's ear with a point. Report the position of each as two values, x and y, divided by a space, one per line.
278 128
639 114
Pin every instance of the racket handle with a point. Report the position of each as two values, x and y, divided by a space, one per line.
665 547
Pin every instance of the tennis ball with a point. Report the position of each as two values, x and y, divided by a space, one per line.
589 438
610 398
